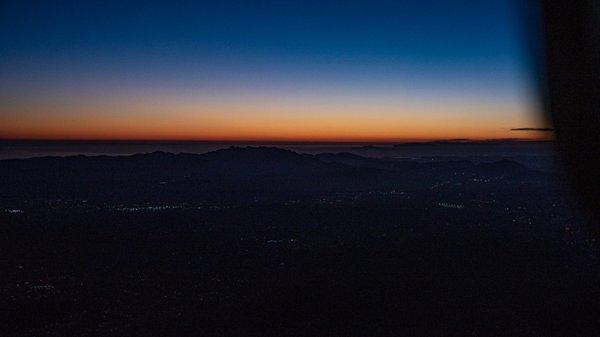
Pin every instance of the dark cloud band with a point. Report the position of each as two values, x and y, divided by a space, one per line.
532 129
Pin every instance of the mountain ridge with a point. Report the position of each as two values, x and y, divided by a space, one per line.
234 173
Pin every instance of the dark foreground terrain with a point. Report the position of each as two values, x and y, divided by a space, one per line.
262 241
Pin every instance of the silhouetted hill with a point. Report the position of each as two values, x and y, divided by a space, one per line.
505 167
232 174
357 161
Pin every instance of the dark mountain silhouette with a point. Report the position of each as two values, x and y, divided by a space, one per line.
232 174
505 167
359 161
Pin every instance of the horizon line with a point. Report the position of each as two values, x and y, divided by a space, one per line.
275 141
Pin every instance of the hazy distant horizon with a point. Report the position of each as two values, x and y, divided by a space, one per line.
275 141
446 148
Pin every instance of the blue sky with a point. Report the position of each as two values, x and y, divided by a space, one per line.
290 56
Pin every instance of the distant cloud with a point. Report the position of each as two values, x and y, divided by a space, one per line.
532 129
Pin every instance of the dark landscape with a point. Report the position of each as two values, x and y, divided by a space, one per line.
268 241
299 168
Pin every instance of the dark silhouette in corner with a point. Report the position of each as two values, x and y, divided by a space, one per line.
571 36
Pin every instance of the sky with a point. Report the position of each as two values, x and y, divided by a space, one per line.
264 70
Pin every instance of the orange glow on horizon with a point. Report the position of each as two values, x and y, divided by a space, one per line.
179 120
328 132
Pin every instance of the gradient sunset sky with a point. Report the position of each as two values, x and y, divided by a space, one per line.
264 70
